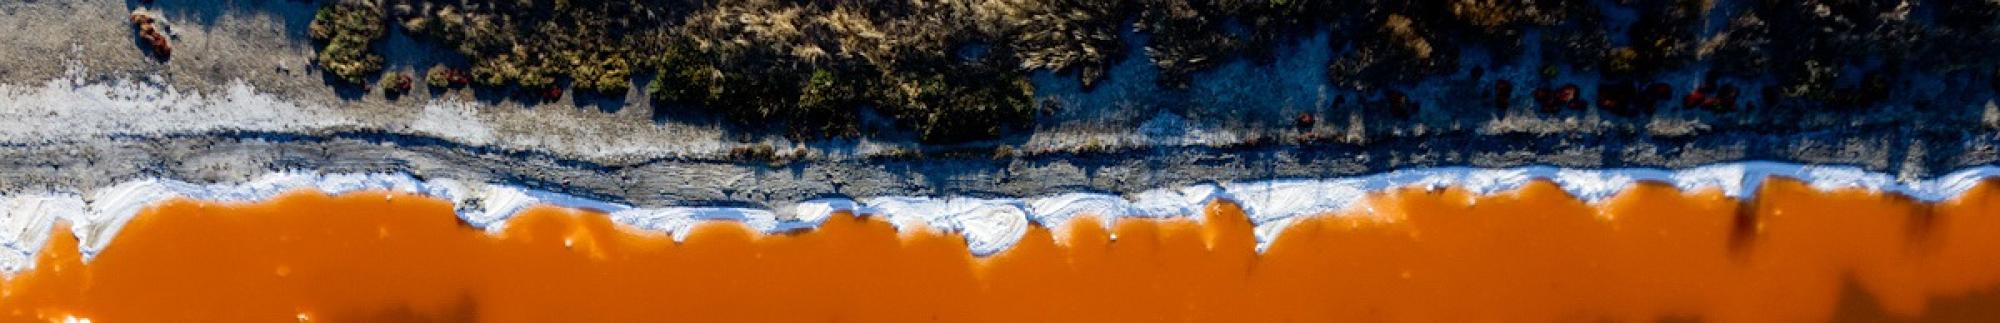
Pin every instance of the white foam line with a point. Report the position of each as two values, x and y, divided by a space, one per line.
989 225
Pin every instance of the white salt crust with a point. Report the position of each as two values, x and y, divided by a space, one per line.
989 225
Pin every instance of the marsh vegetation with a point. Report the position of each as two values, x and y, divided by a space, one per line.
953 71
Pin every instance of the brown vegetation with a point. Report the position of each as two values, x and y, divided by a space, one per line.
150 33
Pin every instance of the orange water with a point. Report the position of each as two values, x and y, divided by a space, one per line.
1533 255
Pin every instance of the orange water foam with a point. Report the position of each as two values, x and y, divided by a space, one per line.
1534 254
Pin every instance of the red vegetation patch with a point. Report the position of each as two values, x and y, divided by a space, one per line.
1571 97
1400 105
150 33
553 93
1711 97
457 77
1545 100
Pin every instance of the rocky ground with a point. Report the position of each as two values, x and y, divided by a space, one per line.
84 106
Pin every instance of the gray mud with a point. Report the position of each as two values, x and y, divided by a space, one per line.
237 157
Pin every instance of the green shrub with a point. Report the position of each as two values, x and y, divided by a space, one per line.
439 76
973 104
1622 60
395 84
692 84
349 30
819 91
604 73
492 72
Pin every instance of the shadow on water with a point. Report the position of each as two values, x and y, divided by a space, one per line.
1856 305
465 310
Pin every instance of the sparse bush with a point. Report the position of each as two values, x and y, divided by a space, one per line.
1495 14
1741 49
754 152
1664 35
1622 60
952 108
1186 38
1079 35
688 84
1576 36
903 153
1397 52
1003 152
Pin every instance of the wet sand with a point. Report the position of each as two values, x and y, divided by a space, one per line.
1535 254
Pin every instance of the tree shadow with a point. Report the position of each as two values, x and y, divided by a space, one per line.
677 113
607 103
342 88
294 15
